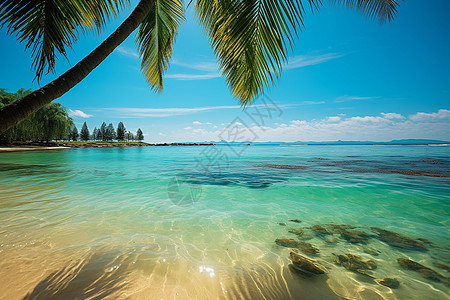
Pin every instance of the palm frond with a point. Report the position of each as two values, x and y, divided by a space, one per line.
251 39
48 27
383 10
156 37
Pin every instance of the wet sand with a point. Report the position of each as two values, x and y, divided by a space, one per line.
29 148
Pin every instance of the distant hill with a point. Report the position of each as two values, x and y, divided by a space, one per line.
339 142
417 141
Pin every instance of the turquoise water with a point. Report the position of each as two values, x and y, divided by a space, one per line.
200 222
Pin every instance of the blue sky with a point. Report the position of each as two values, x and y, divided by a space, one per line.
348 78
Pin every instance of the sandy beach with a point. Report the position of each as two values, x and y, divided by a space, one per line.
29 148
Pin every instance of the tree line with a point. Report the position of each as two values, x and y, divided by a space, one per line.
106 133
53 123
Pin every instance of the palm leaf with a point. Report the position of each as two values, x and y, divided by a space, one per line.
156 37
50 26
251 38
384 10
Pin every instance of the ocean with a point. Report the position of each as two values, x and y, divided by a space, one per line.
201 222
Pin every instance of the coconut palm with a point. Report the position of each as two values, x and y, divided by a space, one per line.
250 38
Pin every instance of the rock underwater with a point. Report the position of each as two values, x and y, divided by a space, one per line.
306 265
302 246
396 240
355 263
426 272
392 283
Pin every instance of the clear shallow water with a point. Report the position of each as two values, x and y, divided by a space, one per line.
174 222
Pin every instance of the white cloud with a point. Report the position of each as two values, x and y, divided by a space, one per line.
333 119
208 123
197 123
201 66
210 67
312 102
163 112
353 98
368 119
78 113
384 127
440 115
298 122
127 52
309 60
392 116
188 128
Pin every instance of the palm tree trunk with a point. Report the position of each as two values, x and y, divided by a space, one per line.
12 114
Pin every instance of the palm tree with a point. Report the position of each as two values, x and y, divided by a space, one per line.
250 38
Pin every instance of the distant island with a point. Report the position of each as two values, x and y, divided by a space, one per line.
339 142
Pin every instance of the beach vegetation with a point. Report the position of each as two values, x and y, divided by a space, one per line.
121 131
51 122
139 135
84 133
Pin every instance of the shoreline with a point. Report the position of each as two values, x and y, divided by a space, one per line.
68 145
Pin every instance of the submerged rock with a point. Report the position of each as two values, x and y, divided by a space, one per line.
290 243
426 272
295 220
302 246
392 283
442 266
355 263
307 248
298 232
355 236
371 251
319 229
396 240
330 239
282 224
306 265
338 228
305 237
274 166
425 241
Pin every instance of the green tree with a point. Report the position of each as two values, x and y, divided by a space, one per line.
251 39
130 136
121 131
94 134
139 135
84 133
74 133
110 132
103 136
51 122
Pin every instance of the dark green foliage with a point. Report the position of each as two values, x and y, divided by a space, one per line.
94 134
110 133
102 133
121 131
139 135
84 134
130 136
73 135
50 27
51 122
